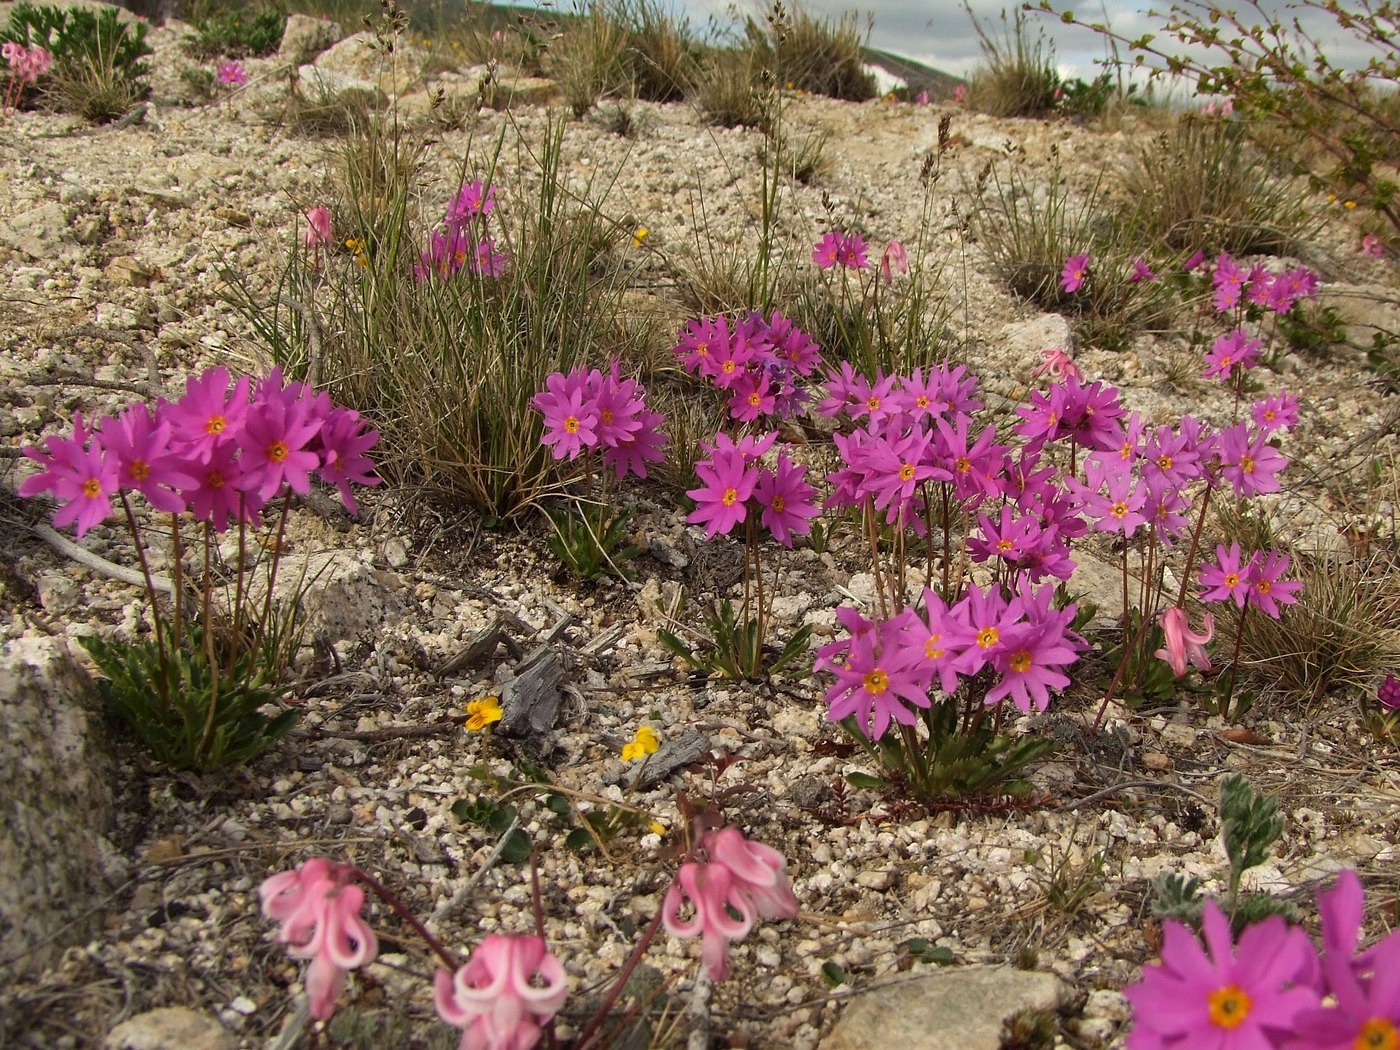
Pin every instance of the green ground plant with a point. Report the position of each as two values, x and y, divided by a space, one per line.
1017 77
803 52
237 34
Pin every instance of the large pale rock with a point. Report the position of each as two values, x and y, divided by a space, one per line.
306 37
39 232
946 1010
1027 339
55 800
357 58
343 596
169 1028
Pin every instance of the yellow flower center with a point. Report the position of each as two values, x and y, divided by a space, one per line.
1377 1034
277 451
1270 414
1119 510
1247 463
1005 545
702 349
906 472
988 637
872 403
140 469
963 464
730 497
1264 586
92 488
922 401
215 425
755 399
1225 361
931 649
571 425
1164 461
778 503
728 366
606 415
1229 1006
1021 662
876 681
1232 579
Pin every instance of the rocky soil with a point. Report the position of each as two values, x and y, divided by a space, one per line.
114 243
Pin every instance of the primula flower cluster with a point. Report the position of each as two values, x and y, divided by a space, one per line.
735 884
1253 584
588 410
462 243
846 250
758 361
216 452
1233 284
231 74
886 669
1274 990
735 484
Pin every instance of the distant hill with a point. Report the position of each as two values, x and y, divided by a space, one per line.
919 77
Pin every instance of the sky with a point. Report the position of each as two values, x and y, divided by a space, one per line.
941 34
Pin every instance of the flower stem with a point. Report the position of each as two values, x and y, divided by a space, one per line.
379 890
625 974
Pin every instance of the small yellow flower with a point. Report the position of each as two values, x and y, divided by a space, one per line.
1348 204
657 827
1331 198
356 247
481 713
644 743
639 236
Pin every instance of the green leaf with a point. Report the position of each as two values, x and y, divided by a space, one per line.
579 840
517 848
557 803
833 975
866 780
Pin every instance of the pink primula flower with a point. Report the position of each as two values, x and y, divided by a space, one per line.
1076 270
741 882
507 990
232 74
1183 645
319 910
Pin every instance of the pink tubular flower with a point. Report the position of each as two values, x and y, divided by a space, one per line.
1076 270
318 228
508 989
1055 363
1222 998
1373 246
740 882
894 260
319 909
1184 646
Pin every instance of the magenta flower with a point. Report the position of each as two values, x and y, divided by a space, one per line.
881 680
1276 412
486 261
1389 693
826 253
786 500
319 910
1229 281
503 995
700 340
1227 580
1229 352
215 496
1221 998
1141 271
1076 270
343 460
209 413
79 472
978 625
145 461
633 451
1194 261
232 74
1373 246
853 252
279 425
1249 463
1266 590
721 501
473 201
570 419
1183 645
739 883
1119 509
